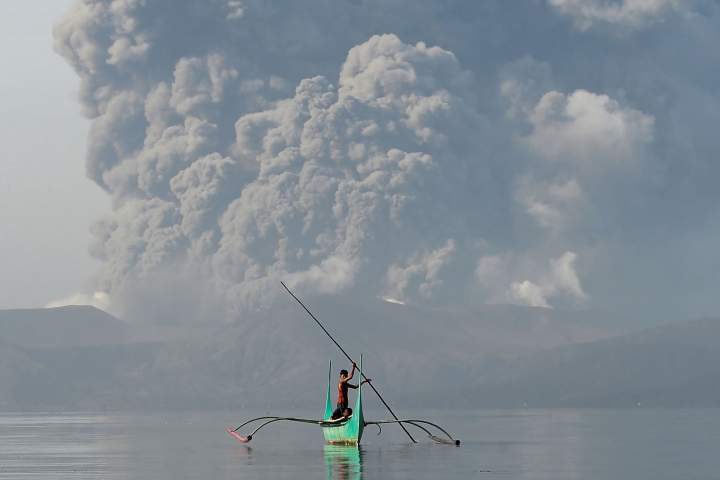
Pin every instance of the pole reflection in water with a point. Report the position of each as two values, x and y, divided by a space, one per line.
343 462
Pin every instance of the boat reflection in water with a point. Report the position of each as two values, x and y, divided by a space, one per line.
343 462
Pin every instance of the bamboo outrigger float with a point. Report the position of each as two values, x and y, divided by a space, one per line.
346 431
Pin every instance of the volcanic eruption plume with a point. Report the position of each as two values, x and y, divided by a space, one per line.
244 142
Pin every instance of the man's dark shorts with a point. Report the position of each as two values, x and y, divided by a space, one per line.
338 411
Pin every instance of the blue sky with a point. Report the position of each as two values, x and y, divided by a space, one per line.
47 202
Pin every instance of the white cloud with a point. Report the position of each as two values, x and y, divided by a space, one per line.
563 278
587 129
541 282
624 13
553 205
584 141
522 83
528 293
420 272
235 9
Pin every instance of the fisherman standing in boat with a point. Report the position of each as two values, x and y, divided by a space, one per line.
343 385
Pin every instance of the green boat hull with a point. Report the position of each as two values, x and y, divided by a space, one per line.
350 432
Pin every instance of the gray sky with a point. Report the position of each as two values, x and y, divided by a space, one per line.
47 202
555 153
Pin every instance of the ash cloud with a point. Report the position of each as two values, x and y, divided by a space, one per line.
416 150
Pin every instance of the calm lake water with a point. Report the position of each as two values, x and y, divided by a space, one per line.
529 444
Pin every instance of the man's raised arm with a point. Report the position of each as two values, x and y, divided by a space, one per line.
352 372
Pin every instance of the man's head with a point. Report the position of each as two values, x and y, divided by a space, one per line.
343 373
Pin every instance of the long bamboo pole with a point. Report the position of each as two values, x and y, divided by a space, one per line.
348 357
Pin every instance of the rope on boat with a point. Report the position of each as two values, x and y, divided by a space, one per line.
415 422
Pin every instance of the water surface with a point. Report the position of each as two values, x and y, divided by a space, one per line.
528 444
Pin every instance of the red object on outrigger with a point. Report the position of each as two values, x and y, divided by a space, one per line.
239 437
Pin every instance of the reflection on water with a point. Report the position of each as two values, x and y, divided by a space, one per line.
497 445
343 462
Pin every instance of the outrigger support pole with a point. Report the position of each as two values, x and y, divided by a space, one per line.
348 357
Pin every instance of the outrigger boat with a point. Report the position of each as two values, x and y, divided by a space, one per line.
345 431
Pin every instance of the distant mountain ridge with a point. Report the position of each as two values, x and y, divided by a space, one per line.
74 325
500 356
672 365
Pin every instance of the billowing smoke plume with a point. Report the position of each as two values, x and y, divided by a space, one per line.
244 142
